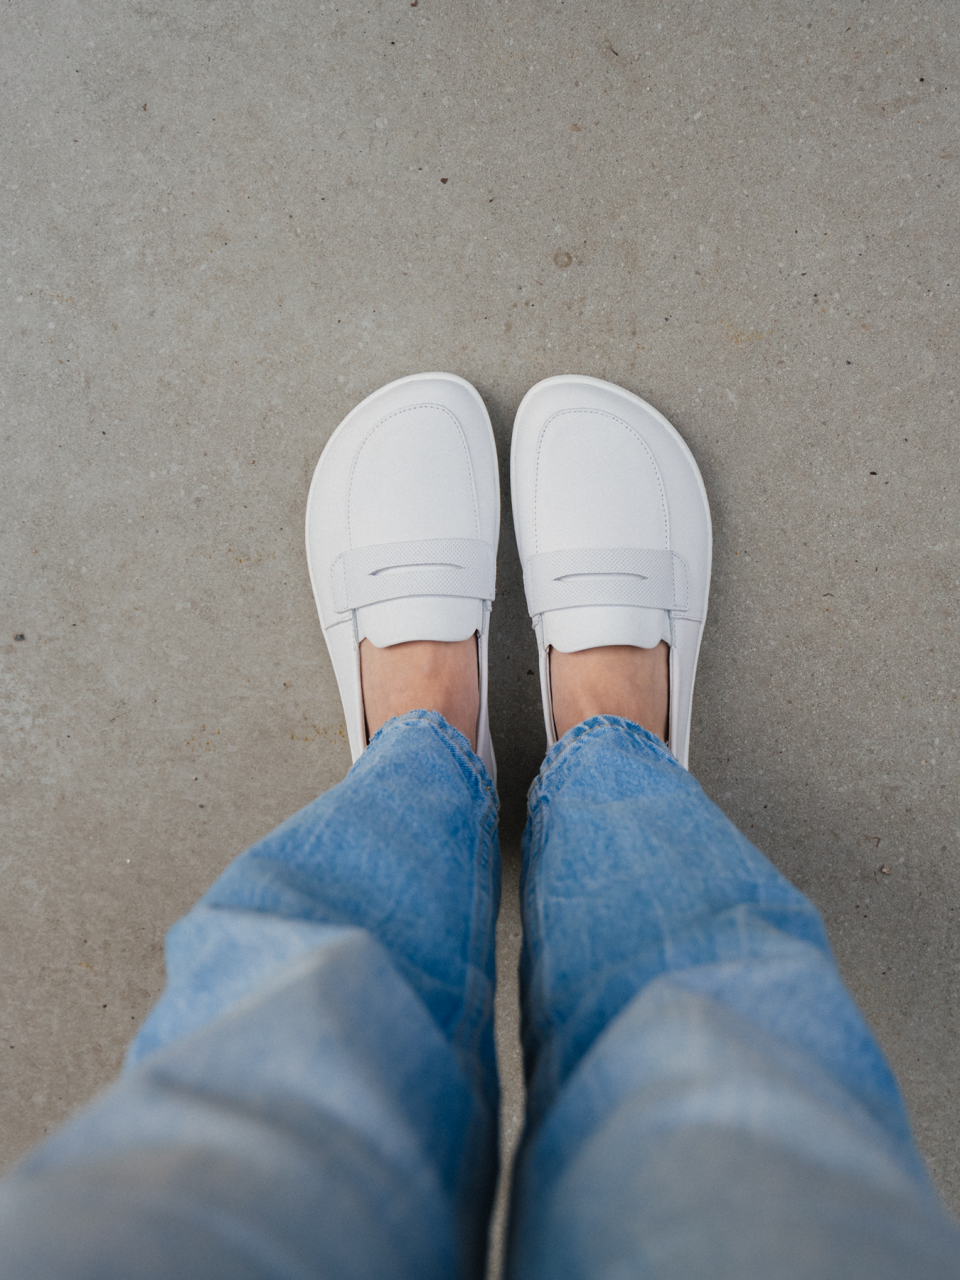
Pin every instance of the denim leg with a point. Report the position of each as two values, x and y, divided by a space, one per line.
315 1093
704 1098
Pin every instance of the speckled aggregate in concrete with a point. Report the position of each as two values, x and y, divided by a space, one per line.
222 224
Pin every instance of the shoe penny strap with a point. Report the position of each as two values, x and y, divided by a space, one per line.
645 579
463 567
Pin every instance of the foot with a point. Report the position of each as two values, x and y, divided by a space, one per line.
422 675
615 680
613 533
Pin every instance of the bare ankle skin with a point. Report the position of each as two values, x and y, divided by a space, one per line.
614 680
422 675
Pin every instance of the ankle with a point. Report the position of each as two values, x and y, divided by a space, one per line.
613 680
422 675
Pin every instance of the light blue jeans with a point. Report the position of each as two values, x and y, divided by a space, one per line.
315 1094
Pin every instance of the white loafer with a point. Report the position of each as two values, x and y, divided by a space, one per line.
403 521
613 529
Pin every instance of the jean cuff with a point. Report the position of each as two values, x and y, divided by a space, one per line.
459 744
648 744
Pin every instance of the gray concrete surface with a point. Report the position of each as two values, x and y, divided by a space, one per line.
222 224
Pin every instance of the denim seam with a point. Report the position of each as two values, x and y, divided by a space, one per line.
532 918
470 1024
472 768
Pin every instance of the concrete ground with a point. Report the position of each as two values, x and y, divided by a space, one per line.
222 224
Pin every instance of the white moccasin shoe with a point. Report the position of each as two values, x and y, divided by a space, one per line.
403 521
613 530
